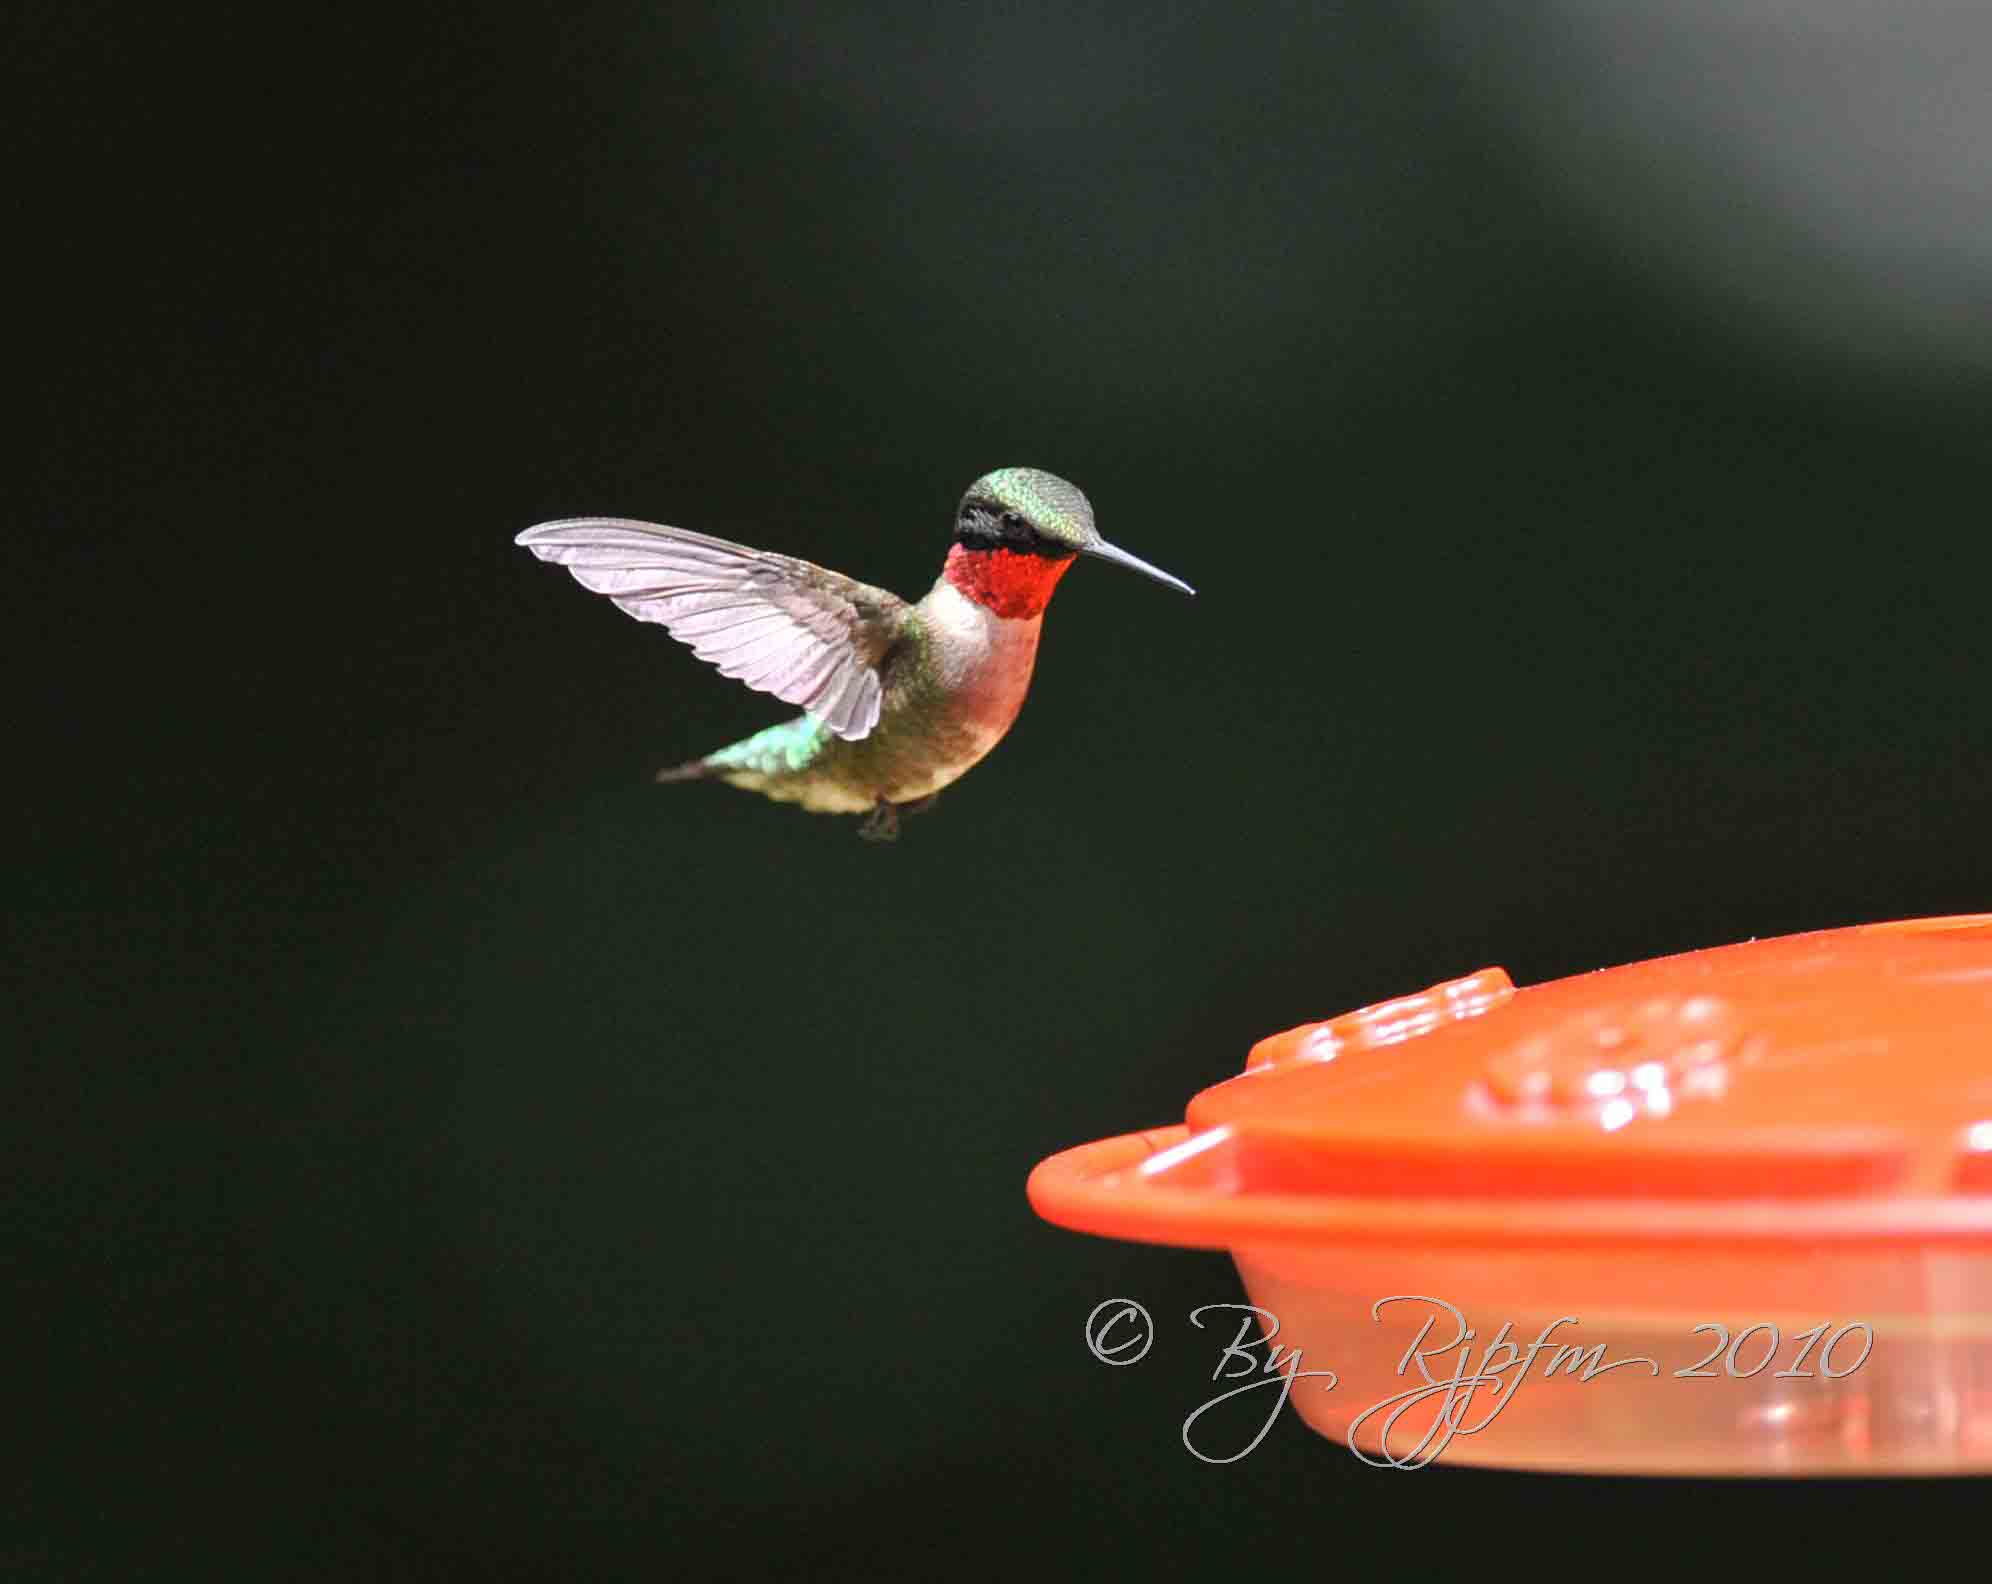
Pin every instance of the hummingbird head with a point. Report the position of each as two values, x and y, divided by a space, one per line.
1026 511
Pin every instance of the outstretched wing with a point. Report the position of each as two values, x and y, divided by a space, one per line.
810 637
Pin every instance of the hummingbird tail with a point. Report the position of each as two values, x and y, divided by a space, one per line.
691 770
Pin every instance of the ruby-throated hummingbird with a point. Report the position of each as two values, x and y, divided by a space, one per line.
900 699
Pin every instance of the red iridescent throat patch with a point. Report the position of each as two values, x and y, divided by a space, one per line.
1012 583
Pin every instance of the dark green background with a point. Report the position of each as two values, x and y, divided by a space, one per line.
448 1153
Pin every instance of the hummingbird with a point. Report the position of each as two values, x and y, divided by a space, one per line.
898 699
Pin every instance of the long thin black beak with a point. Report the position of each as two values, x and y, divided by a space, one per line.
1134 563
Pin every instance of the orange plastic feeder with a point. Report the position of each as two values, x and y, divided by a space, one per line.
1722 1213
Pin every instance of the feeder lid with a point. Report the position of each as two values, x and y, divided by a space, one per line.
1835 1085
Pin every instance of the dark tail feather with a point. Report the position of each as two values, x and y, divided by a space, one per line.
691 770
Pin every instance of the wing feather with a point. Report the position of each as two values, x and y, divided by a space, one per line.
811 637
805 676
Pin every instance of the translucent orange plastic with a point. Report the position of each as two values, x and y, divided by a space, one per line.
1724 1153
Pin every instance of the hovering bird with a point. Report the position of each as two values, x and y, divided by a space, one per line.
900 699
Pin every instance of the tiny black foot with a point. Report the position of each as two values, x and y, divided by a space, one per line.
919 805
882 823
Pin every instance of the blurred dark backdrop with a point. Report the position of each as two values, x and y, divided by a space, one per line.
447 1153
